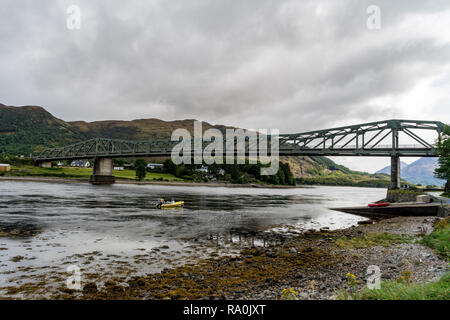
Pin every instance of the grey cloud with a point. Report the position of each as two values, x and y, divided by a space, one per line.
293 65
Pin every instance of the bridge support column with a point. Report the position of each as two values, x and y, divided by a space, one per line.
45 164
395 172
103 171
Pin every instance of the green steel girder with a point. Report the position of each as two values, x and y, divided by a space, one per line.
325 142
319 143
107 148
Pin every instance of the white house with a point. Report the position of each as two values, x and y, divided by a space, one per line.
80 163
203 169
152 166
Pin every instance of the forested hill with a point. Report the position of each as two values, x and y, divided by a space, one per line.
23 129
30 128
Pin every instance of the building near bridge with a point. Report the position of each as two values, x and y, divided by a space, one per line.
80 163
5 167
155 166
203 169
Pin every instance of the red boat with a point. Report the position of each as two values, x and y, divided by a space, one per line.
379 204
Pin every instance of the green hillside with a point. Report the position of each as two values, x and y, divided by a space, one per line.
30 128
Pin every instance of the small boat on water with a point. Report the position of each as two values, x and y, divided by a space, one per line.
378 204
172 205
169 204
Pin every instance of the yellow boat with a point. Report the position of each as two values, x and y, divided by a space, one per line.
171 205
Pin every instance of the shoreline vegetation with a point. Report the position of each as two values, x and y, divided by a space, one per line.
162 179
316 171
152 179
245 174
128 176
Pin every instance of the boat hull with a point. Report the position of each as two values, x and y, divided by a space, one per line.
379 204
172 205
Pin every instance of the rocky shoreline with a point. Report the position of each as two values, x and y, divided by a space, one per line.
314 264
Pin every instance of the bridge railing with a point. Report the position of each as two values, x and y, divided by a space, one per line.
354 146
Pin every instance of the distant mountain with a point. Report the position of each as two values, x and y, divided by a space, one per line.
421 171
387 170
418 172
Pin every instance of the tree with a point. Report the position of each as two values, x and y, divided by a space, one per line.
214 169
280 174
169 166
180 171
274 179
119 162
141 169
443 149
288 176
233 170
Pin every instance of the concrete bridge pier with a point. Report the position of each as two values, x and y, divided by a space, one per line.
102 172
395 172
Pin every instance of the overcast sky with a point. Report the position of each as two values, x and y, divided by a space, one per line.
293 65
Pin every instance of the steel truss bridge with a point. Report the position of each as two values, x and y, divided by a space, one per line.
380 139
368 139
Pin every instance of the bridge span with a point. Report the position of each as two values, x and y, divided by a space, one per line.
379 139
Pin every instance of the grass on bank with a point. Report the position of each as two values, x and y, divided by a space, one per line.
439 240
84 173
392 290
403 289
